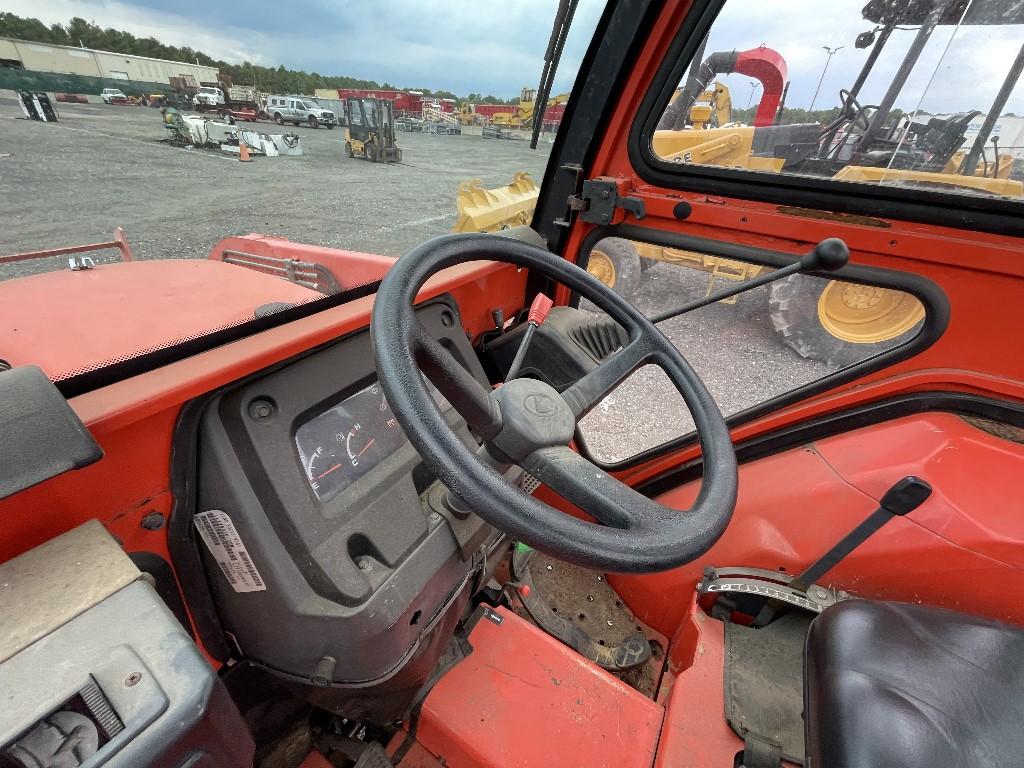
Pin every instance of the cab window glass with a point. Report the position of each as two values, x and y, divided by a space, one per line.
748 349
920 95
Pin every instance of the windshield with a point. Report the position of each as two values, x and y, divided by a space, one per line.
134 230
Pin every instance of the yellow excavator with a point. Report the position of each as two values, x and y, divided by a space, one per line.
523 114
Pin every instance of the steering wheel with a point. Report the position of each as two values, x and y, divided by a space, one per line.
530 424
851 112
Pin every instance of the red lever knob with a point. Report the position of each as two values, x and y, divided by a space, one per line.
539 309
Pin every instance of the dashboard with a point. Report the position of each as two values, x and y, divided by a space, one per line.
330 540
349 440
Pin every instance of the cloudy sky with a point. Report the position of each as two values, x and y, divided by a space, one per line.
488 47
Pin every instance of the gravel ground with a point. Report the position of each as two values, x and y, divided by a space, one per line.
731 346
104 166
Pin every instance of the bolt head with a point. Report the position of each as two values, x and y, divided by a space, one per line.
152 521
364 563
133 679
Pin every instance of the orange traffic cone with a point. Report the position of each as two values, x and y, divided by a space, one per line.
243 152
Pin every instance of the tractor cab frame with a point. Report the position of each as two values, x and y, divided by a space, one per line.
365 524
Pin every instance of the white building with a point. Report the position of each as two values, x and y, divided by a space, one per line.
64 59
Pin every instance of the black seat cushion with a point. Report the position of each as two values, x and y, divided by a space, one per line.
894 684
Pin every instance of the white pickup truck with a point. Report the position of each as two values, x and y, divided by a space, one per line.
113 95
209 97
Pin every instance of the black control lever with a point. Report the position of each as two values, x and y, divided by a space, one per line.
828 256
905 496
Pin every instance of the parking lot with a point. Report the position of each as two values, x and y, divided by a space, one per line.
106 166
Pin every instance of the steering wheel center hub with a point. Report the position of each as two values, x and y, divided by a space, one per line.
533 416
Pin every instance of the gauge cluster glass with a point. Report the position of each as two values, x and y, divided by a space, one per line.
345 442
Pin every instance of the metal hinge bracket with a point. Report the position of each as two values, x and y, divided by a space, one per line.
603 201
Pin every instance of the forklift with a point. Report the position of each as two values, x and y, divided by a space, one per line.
370 132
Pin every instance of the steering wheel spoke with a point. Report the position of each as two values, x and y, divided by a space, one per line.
583 396
468 396
588 486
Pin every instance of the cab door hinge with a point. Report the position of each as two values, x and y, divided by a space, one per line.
604 201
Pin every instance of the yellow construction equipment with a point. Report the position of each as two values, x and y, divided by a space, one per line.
488 210
712 108
842 315
522 115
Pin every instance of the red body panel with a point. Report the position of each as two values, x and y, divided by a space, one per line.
97 316
522 698
350 268
795 505
696 733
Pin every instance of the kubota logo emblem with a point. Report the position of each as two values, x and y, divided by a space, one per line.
539 405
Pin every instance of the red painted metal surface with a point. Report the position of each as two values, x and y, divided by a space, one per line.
795 505
696 734
350 268
769 67
404 101
315 760
97 316
524 699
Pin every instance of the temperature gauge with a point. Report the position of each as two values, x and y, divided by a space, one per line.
341 445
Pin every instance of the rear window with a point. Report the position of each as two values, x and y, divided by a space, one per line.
920 95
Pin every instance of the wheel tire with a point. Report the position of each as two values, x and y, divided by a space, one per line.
348 149
793 309
616 263
278 119
646 263
313 122
330 126
370 151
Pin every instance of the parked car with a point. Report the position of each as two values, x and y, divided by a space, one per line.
112 95
299 109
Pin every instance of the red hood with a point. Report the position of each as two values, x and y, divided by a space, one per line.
69 322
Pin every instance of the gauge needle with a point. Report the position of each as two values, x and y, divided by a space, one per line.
366 447
324 474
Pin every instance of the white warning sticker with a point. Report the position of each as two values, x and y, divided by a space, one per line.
228 550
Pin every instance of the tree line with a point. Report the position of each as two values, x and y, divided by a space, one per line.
79 32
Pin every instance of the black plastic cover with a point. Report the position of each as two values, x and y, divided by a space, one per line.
40 435
351 587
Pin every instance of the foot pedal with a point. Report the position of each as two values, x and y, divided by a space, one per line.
374 756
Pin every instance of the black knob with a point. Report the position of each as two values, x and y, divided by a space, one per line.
906 495
828 256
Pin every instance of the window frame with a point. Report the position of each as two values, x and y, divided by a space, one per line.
931 296
927 206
